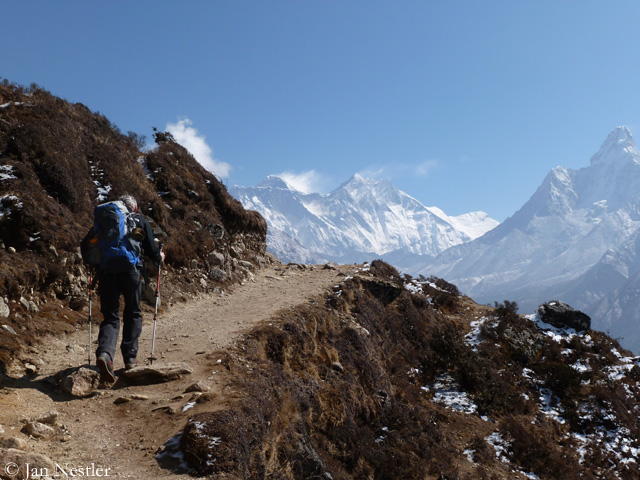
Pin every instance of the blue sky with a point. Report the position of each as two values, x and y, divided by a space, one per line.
465 105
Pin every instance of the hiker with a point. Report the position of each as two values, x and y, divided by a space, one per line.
129 285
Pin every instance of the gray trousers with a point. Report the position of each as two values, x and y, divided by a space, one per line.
111 286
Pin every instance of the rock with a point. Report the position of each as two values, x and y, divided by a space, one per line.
337 366
29 305
216 230
199 386
247 265
306 462
50 418
19 465
4 309
38 430
145 374
217 275
217 259
129 398
7 328
30 369
13 442
11 250
77 349
81 383
523 342
77 303
167 409
561 315
137 396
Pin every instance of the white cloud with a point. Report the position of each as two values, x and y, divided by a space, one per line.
195 143
399 170
306 182
423 169
374 172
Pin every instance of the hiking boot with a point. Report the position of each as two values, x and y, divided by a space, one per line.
130 363
105 365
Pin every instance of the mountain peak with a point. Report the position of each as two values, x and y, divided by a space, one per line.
619 144
275 182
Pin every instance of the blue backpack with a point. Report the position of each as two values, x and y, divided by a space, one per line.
118 237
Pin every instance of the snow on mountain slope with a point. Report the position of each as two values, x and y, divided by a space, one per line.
568 241
288 250
473 224
360 219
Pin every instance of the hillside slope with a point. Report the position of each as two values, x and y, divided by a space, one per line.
58 160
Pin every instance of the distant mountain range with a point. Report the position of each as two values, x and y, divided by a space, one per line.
361 220
576 240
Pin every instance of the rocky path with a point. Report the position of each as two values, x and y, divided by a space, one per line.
117 432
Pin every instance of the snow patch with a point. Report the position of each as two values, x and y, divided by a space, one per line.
7 202
6 173
447 392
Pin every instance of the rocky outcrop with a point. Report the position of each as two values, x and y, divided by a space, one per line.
561 315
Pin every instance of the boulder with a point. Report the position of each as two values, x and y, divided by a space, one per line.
561 315
81 383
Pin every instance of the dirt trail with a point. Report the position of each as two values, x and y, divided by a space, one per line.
123 439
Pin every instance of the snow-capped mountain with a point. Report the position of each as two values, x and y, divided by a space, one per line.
360 220
576 239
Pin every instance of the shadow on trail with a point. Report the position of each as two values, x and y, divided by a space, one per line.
52 385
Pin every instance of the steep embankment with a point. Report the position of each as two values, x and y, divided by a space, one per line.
393 378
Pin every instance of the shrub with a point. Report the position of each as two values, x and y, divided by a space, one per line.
444 285
507 310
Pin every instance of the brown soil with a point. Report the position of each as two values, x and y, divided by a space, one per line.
125 438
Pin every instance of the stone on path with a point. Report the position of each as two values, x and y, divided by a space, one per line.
160 373
199 386
81 383
38 430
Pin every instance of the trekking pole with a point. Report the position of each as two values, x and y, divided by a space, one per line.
155 314
90 297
